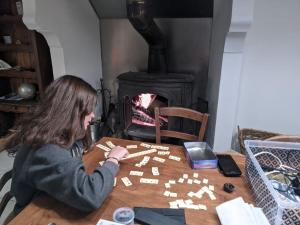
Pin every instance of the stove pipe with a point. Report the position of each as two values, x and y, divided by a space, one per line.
139 17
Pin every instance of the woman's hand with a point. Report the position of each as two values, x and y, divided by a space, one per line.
117 153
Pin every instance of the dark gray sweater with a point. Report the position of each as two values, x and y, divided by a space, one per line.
61 174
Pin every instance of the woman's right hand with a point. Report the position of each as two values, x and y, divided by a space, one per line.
118 152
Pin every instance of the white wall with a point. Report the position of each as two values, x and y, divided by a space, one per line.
270 86
72 31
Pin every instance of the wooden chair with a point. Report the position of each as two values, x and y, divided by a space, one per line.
285 138
7 196
6 177
183 113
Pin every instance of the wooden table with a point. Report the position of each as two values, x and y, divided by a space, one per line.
45 209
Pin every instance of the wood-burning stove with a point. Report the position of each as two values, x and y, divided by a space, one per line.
176 89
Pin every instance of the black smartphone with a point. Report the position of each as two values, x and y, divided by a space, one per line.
228 166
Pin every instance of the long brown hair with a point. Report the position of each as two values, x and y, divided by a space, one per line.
59 117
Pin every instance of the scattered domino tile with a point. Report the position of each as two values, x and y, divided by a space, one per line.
205 189
189 201
180 180
163 152
115 181
101 163
145 159
145 145
173 205
143 162
155 171
140 153
195 175
172 181
173 194
211 187
167 185
126 181
205 181
190 181
159 159
166 193
191 194
103 147
136 173
202 206
201 191
212 196
196 181
106 154
199 194
149 181
185 176
180 203
131 146
174 158
110 144
160 147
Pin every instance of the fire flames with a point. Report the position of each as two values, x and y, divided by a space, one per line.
145 100
143 110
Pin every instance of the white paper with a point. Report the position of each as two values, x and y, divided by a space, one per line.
236 212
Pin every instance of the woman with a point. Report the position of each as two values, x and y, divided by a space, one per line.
50 142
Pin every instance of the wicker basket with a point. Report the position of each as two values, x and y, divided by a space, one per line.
252 134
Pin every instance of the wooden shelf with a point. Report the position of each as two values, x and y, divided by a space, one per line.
21 106
15 48
28 50
12 73
10 19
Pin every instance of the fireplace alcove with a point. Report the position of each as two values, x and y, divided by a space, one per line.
176 88
232 21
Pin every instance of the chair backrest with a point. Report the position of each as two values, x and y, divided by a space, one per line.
285 138
183 113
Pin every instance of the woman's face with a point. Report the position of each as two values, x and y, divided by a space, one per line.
87 119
